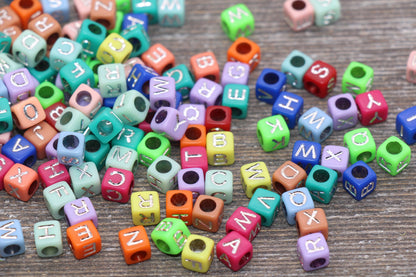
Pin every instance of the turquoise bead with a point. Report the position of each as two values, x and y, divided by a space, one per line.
43 71
123 158
63 52
56 196
162 174
295 66
236 97
72 120
95 151
111 80
6 119
5 43
129 137
184 80
148 7
8 64
171 13
76 73
105 125
137 36
219 183
131 107
90 36
326 12
48 238
266 203
29 48
85 180
151 147
322 183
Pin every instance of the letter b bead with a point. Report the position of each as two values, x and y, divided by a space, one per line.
359 180
170 235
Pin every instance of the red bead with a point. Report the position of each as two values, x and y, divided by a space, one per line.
5 165
234 250
372 106
53 113
320 79
218 118
117 185
145 124
53 172
244 221
194 157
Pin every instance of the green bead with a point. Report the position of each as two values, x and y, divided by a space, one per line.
322 183
6 118
326 12
5 43
295 66
72 120
148 7
237 21
43 71
129 137
123 6
48 238
90 36
95 151
56 196
119 22
137 36
94 64
170 235
393 155
8 64
273 133
361 144
219 183
171 13
266 203
112 80
162 174
236 97
85 180
357 78
131 107
74 74
105 125
48 94
184 80
151 147
122 157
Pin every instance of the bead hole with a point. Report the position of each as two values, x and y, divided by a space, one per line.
40 55
103 22
297 61
163 246
190 177
29 161
365 156
94 29
359 172
43 65
217 114
394 147
83 98
245 259
318 262
298 5
136 44
33 187
321 176
236 112
3 125
65 118
243 48
139 104
70 142
50 251
271 78
163 166
357 72
46 92
161 103
92 145
178 199
193 133
52 39
12 249
139 256
26 4
208 205
343 103
197 246
153 143
325 133
161 116
105 127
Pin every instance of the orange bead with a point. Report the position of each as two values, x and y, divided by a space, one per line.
104 12
26 10
8 17
135 244
288 176
47 27
207 213
40 135
12 31
195 135
159 58
27 113
21 182
245 51
83 239
205 65
179 205
312 221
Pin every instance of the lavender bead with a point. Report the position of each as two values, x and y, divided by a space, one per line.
343 110
206 92
192 179
162 92
51 148
336 158
20 84
235 73
193 113
80 210
313 251
170 122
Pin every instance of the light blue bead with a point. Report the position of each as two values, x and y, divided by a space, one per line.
266 203
129 137
184 80
85 180
4 93
6 119
162 174
105 125
63 52
326 12
315 125
71 147
60 10
111 80
219 183
131 107
56 196
11 238
295 66
8 64
171 13
123 158
296 200
29 48
48 238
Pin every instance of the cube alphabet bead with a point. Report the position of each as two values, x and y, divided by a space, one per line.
296 200
138 37
179 205
313 251
169 122
235 73
85 180
9 17
20 150
60 11
343 110
54 112
27 113
83 239
295 66
48 94
234 251
90 36
306 154
26 11
71 147
206 92
75 73
170 236
361 144
265 203
5 165
52 147
63 52
150 8
40 135
288 176
48 238
43 71
171 13
135 244
195 135
80 210
194 113
219 183
246 51
320 79
299 14
159 58
198 253
326 13
184 80
312 221
71 29
237 21
21 182
315 125
336 158
11 238
29 48
162 174
359 180
236 97
393 155
139 77
273 133
290 106
106 125
245 222
207 213
56 196
205 65
372 106
129 137
47 27
162 92
114 49
192 179
95 151
86 100
405 125
52 172
117 185
253 176
131 107
322 183
6 119
194 157
151 147
357 78
145 208
218 118
132 19
20 84
104 12
220 148
111 80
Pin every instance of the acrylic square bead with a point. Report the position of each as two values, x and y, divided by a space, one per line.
162 174
219 183
195 135
234 251
48 238
71 120
313 251
56 196
184 80
71 29
111 80
296 200
162 92
80 210
372 106
237 21
326 12
5 165
290 106
220 148
4 93
192 179
129 137
295 66
236 97
343 110
40 135
48 94
357 78
246 51
9 17
117 185
132 19
52 147
71 147
245 222
122 157
312 221
253 176
21 182
26 11
151 147
273 133
194 156
269 85
5 43
393 155
206 92
288 176
106 125
179 205
8 64
47 27
85 180
139 77
148 7
405 125
52 172
235 73
83 239
114 49
306 154
169 122
205 65
320 79
299 14
218 118
359 180
95 151
159 58
6 119
104 12
197 254
322 183
12 242
53 113
20 84
43 71
20 150
171 13
265 203
193 113
86 100
410 67
29 48
27 113
131 107
74 74
336 158
137 36
63 52
59 10
315 125
90 36
135 244
208 213
145 208
361 144
170 236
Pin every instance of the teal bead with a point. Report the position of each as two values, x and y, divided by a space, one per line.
129 137
151 147
131 107
266 203
63 52
90 36
236 97
162 174
219 183
184 80
43 71
72 120
326 12
171 13
118 24
148 7
85 180
111 80
322 183
5 43
94 64
48 94
8 64
29 48
48 238
6 118
137 36
105 125
74 74
56 196
295 66
123 158
96 151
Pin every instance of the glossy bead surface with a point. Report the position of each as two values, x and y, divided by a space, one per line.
40 135
159 58
139 77
48 238
322 183
90 36
288 176
149 8
162 174
70 120
357 78
299 14
236 97
184 80
84 239
56 196
20 150
169 122
218 118
195 135
326 12
95 151
312 221
406 126
52 172
170 236
393 155
205 65
21 182
5 165
6 119
138 38
135 244
295 66
315 125
105 125
29 48
179 205
194 156
27 113
12 241
269 85
132 19
151 147
131 107
145 208
361 144
114 49
234 251
306 154
9 17
335 157
48 94
206 92
117 185
47 27
220 148
104 12
235 73
86 100
20 84
80 210
410 67
26 11
320 79
219 183
43 71
245 222
122 157
74 74
253 176
197 254
208 213
162 92
71 147
193 113
294 201
63 52
273 133
265 203
192 179
237 21
313 251
372 106
359 180
290 106
85 180
246 51
171 13
111 80
343 110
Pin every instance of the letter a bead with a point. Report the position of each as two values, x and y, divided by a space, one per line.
313 251
315 125
11 238
198 253
145 208
361 144
273 133
170 236
234 251
406 125
21 182
393 155
266 203
288 176
359 180
135 244
48 238
296 200
253 176
83 239
244 221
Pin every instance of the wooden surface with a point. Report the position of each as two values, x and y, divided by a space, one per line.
373 237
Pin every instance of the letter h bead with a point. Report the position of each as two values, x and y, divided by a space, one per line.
290 106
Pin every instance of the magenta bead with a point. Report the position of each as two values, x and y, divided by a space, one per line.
20 84
313 251
53 172
235 73
51 148
117 185
336 158
194 156
162 92
244 221
193 113
234 250
343 110
206 92
5 165
170 122
80 210
192 179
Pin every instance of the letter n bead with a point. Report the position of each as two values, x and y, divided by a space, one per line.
21 182
246 51
322 183
234 251
273 133
315 125
253 176
145 208
170 236
117 185
179 205
406 125
171 13
359 180
220 148
320 79
11 238
372 106
288 176
266 203
237 21
162 174
343 110
135 244
48 238
83 239
357 78
393 155
361 144
208 213
296 200
198 253
313 251
299 14
244 221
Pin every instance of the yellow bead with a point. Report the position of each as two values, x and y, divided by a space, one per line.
114 49
145 208
220 148
253 176
197 254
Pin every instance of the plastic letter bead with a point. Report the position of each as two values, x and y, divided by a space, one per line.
197 254
220 148
114 49
90 36
194 156
266 203
311 221
52 147
372 106
71 147
11 238
5 165
129 137
63 52
5 43
104 12
296 200
361 144
59 10
315 125
237 21
326 12
171 13
52 172
151 147
322 183
105 125
357 78
393 155
70 119
74 74
236 97
343 110
145 208
85 180
131 107
133 19
273 133
80 210
21 182
40 135
290 106
195 135
56 196
320 79
83 239
193 113
336 158
162 174
208 213
359 180
313 251
245 222
234 251
112 80
162 92
295 66
20 150
137 36
95 151
184 80
235 73
148 7
117 185
47 27
192 179
122 157
29 48
71 29
27 113
159 58
6 120
299 14
288 176
253 176
13 32
206 92
135 244
48 238
205 65
139 77
169 122
86 100
219 183
405 125
179 205
245 51
306 154
48 94
9 17
20 84
43 71
170 236
410 67
269 85
26 10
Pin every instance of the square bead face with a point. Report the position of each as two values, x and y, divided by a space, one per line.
205 65
299 14
198 253
208 213
313 251
56 196
84 239
290 106
322 183
20 84
253 176
361 144
20 150
336 158
117 185
21 182
220 148
85 180
135 244
170 122
372 106
123 158
170 235
194 157
179 205
245 222
71 147
145 208
219 183
294 201
131 107
114 49
406 125
11 238
235 73
315 125
246 51
234 250
195 135
326 12
236 97
184 80
320 79
52 172
357 78
312 221
29 48
295 66
343 110
162 92
159 58
393 155
218 118
48 238
288 176
266 203
206 92
273 133
359 180
162 174
171 15
151 147
192 179
237 21
106 125
306 154
80 210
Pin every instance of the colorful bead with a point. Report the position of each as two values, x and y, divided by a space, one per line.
20 84
220 148
20 150
129 137
8 64
184 80
117 24
197 254
151 147
131 107
299 14
326 13
52 147
253 176
80 210
90 36
56 196
112 81
4 93
43 71
288 176
74 74
171 13
306 154
290 106
63 52
179 205
192 179
205 65
206 92
132 19
208 213
29 48
193 113
320 79
393 155
245 222
311 221
71 147
114 49
84 239
361 144
48 238
235 73
372 106
103 12
170 236
245 51
9 17
139 78
405 125
170 122
322 183
219 183
269 85
137 36
40 135
135 244
106 125
237 21
313 251
71 29
21 182
218 118
85 180
53 113
295 66
5 165
234 251
336 158
343 110
296 200
159 58
52 172
72 120
5 43
410 67
11 238
273 133
86 100
357 78
359 180
27 113
122 157
48 94
59 10
26 11
47 27
315 125
145 208
265 203
13 32
195 135
194 156
117 185
6 119
236 97
162 174
162 92
149 7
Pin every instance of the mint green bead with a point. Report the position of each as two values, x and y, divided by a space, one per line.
393 155
295 66
6 118
122 157
105 125
237 21
129 137
48 94
96 151
43 71
72 120
322 183
131 107
29 48
74 74
8 64
151 147
56 196
123 6
90 36
219 183
170 235
148 7
326 12
162 174
85 180
63 52
171 13
48 238
5 43
236 97
111 80
184 80
273 133
361 145
357 78
137 36
119 22
266 203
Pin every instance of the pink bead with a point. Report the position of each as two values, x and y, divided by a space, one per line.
71 29
83 8
299 14
411 67
244 221
194 157
5 165
86 100
117 185
128 65
53 172
234 250
5 137
372 106
169 121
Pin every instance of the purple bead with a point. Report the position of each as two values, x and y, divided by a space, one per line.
336 158
192 179
206 92
51 148
162 92
235 73
193 113
170 122
20 84
313 251
80 210
343 110
58 82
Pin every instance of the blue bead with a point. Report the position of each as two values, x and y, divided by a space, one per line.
71 148
6 119
3 90
131 19
43 71
109 102
11 238
290 106
178 99
406 125
269 85
359 180
296 200
60 10
315 125
20 150
306 154
139 78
